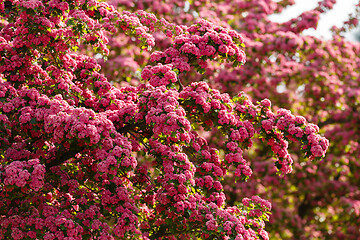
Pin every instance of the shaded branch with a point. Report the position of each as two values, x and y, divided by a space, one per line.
331 121
63 154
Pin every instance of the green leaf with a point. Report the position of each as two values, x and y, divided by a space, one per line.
201 70
33 121
70 22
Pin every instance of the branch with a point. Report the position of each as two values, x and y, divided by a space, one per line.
331 121
63 154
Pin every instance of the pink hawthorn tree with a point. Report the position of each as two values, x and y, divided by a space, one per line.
143 146
312 77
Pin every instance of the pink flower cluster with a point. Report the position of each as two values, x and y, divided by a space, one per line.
132 24
209 169
233 222
57 226
203 41
24 175
281 127
159 75
218 109
159 107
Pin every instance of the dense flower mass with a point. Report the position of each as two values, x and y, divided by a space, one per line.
314 78
136 120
